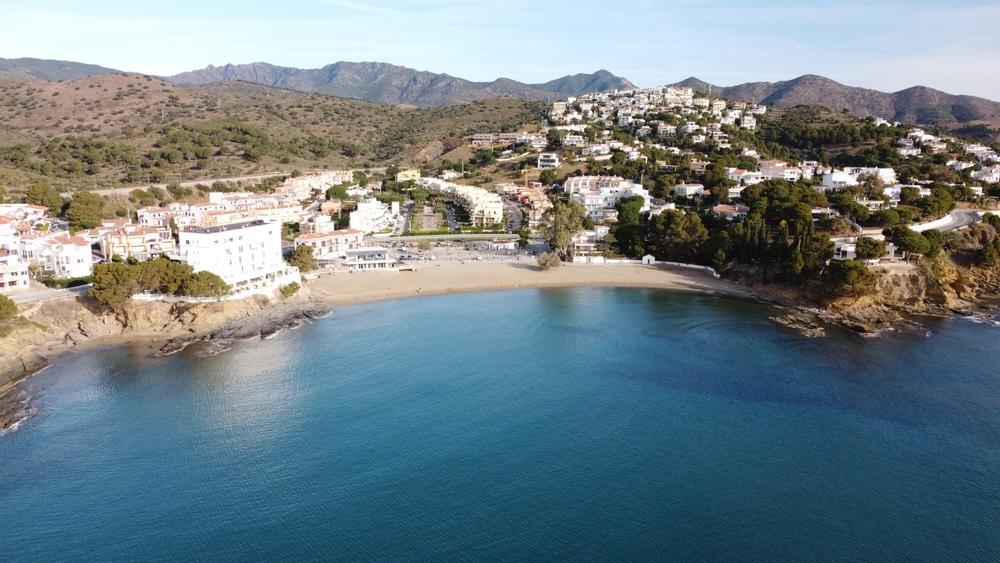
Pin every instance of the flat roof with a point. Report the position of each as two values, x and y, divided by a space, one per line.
224 228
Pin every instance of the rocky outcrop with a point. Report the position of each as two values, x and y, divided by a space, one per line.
55 327
932 288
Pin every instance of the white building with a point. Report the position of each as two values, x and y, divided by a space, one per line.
744 177
23 212
247 256
369 258
373 216
331 246
689 190
779 169
13 272
64 255
303 186
485 208
548 160
600 194
838 180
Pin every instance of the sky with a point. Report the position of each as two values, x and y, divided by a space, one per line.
882 44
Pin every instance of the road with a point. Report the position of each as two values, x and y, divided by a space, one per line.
515 214
36 294
209 181
456 236
957 219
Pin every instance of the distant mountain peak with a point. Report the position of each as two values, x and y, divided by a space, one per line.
391 84
918 104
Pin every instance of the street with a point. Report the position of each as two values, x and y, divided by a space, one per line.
42 293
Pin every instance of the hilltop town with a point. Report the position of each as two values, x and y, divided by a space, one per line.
862 220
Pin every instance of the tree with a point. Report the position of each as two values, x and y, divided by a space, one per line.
989 254
524 236
562 223
3 195
547 177
114 285
676 236
847 278
928 243
868 248
116 282
630 210
338 192
8 309
302 258
555 138
41 193
84 211
548 260
204 284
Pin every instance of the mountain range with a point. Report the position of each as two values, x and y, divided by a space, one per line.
918 104
397 85
46 69
391 84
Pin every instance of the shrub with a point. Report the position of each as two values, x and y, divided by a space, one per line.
548 260
289 290
8 309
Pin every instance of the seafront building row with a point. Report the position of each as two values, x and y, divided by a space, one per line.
485 208
235 235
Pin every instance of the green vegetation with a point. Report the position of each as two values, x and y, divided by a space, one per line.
115 283
989 254
549 260
563 221
869 249
289 290
928 243
9 320
303 259
114 131
41 193
847 278
84 211
629 232
8 309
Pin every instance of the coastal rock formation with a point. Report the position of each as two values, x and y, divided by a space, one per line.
55 327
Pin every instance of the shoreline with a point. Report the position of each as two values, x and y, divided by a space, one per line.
345 288
327 291
253 319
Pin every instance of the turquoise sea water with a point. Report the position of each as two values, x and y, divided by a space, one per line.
585 424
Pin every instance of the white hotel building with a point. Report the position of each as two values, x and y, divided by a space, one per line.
247 256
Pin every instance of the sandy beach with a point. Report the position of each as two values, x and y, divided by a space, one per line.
343 288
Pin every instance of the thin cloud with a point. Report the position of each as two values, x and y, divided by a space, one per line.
363 7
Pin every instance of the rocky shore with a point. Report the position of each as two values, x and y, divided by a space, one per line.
901 299
60 327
